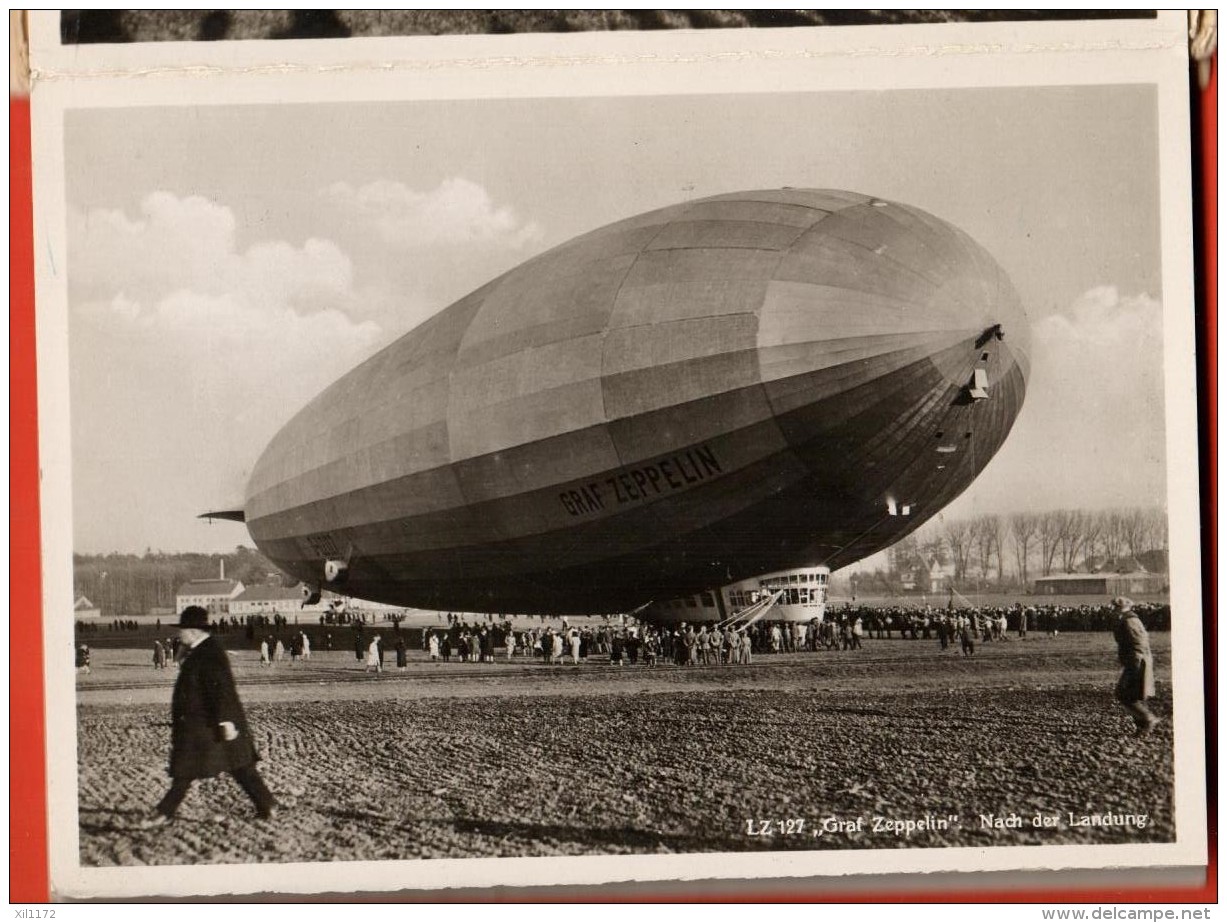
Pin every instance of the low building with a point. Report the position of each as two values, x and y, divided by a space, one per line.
84 609
1138 583
213 595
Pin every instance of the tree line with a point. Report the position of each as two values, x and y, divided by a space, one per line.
131 584
1010 551
1005 552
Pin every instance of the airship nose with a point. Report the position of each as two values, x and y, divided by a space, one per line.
875 287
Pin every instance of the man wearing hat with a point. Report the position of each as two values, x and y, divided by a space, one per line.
1137 679
209 733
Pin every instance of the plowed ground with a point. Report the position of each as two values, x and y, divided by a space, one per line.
465 760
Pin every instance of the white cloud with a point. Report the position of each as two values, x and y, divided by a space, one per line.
1102 361
277 272
191 346
1106 324
187 355
172 242
190 244
458 211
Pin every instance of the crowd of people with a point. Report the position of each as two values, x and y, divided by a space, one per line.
373 652
843 629
623 640
995 622
84 627
274 650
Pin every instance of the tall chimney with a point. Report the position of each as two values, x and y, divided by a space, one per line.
222 564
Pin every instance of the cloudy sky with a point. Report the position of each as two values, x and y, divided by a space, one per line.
225 263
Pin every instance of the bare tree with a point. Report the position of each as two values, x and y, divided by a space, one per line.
986 536
904 555
1078 532
974 562
1050 528
1154 531
998 527
1069 538
1023 528
1111 534
1092 528
1133 531
1078 537
958 536
1074 535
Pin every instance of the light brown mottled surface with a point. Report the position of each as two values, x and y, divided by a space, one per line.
466 760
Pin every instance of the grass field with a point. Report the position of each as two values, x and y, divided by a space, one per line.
465 760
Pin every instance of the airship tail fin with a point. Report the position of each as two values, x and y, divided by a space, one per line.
232 515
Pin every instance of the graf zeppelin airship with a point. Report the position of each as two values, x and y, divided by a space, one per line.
724 388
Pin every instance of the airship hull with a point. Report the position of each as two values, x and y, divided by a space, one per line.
678 401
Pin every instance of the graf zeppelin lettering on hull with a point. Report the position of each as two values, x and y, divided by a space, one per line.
676 472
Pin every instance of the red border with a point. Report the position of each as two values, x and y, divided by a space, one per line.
28 872
28 858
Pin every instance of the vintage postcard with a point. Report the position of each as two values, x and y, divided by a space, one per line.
547 459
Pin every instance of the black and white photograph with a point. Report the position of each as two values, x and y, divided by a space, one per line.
637 457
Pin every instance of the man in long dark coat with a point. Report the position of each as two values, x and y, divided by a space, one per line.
1137 679
209 732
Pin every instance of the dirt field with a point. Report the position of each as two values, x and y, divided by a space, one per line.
897 745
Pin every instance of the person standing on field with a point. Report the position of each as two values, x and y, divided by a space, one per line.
967 634
402 655
374 656
209 731
1137 679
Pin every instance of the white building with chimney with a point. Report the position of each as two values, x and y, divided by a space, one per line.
212 595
